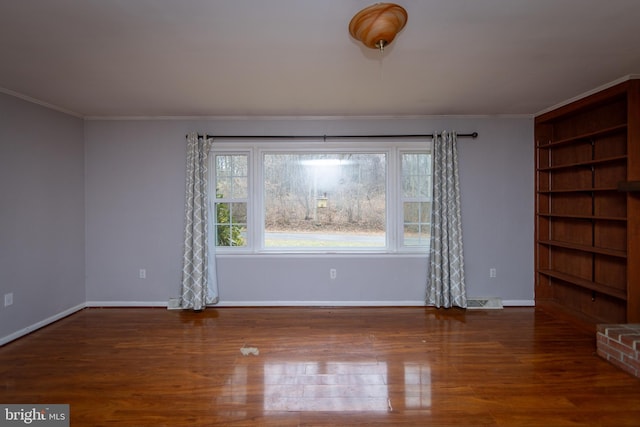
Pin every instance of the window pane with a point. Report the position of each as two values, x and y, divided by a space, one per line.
417 227
231 176
321 200
417 212
231 224
416 194
416 175
416 235
230 213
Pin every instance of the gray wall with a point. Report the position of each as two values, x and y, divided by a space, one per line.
85 205
41 213
135 195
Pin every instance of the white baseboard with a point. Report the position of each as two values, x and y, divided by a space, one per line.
40 324
404 303
419 303
519 303
319 304
95 304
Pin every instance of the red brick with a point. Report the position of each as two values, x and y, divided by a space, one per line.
616 333
621 348
634 363
602 340
620 345
611 352
632 340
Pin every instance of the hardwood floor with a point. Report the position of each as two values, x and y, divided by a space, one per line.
319 366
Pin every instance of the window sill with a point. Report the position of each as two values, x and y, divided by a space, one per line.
328 254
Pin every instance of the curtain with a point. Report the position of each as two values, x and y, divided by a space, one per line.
446 287
199 282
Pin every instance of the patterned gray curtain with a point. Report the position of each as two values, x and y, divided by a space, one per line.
199 284
445 287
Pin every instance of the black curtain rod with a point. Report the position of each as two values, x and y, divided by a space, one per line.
325 137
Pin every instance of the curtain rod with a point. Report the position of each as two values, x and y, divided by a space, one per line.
325 137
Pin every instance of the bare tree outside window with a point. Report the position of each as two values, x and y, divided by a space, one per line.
323 200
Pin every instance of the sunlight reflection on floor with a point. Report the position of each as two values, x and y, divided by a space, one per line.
333 386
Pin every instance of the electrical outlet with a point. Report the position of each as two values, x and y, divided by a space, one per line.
143 273
8 299
333 273
492 272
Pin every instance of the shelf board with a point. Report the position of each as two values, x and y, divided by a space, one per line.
592 162
585 136
580 190
587 284
585 248
589 217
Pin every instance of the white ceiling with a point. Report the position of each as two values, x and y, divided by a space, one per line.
296 57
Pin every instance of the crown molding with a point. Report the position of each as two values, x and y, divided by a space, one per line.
40 102
310 118
589 93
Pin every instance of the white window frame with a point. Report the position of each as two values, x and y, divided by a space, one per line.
212 200
256 149
402 199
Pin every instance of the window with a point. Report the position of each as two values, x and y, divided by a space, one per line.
311 198
230 200
416 198
324 200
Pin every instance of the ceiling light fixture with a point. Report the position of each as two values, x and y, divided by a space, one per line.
377 25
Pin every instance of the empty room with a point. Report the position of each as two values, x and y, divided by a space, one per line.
329 212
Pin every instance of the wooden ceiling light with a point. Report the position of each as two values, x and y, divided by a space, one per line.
377 25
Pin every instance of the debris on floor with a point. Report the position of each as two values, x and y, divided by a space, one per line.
249 350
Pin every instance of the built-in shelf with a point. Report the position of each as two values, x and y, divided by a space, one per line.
587 284
585 163
585 248
588 217
586 136
580 190
587 167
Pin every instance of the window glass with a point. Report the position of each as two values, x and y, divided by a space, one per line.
324 200
230 204
416 195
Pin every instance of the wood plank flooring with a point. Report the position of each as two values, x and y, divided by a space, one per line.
319 366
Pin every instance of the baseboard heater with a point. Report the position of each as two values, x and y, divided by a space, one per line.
484 303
